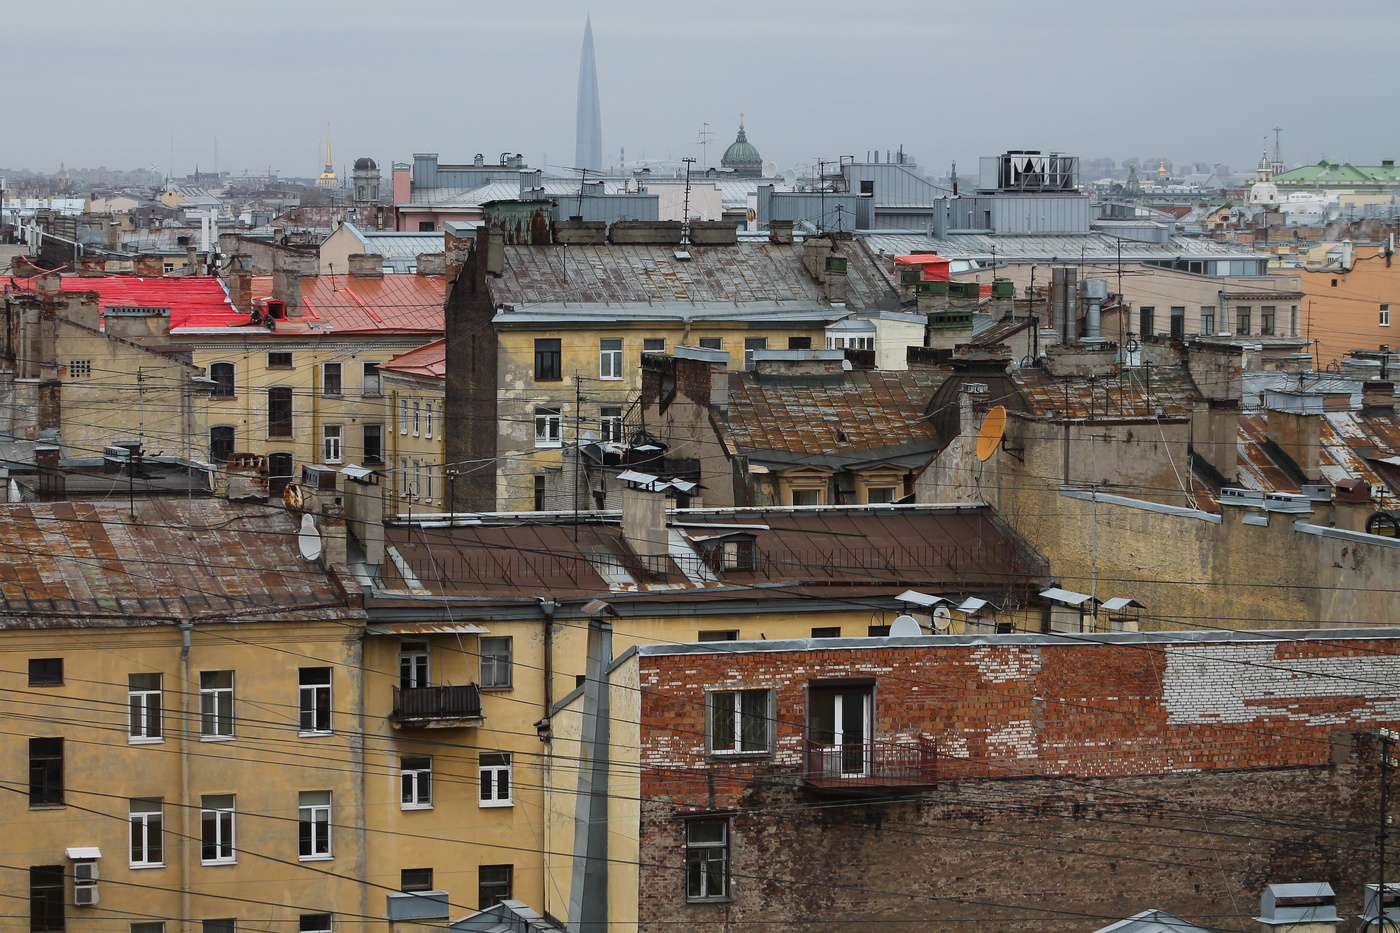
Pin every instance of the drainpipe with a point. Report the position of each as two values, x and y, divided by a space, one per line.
186 838
547 606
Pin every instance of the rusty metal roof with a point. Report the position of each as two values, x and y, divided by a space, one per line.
850 415
428 360
90 564
1136 392
1352 444
745 272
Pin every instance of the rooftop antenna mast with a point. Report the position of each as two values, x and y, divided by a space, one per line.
685 211
821 186
1278 150
705 135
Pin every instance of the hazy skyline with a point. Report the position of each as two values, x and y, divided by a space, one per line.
110 84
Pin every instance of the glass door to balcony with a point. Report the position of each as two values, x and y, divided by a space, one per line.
839 726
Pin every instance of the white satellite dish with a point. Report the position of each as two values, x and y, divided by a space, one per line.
905 627
942 620
770 169
790 177
309 539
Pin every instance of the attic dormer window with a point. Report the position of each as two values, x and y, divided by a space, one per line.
731 552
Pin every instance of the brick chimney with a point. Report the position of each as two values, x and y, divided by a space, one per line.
644 525
92 267
150 266
780 232
239 282
51 480
1215 426
286 287
1378 397
366 265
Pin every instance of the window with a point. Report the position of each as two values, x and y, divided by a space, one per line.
1242 319
728 634
548 424
149 926
838 724
315 694
610 424
495 661
494 772
1293 321
403 416
79 369
712 343
416 783
279 412
331 443
46 772
279 472
330 379
146 835
371 384
610 358
750 345
1266 320
799 343
223 376
216 829
319 923
1178 322
880 495
734 552
1385 315
373 448
216 704
222 925
413 664
279 360
427 226
143 705
654 345
549 361
221 439
1145 323
46 899
867 186
417 418
1207 319
806 497
493 884
314 824
707 860
539 491
45 672
416 879
827 631
427 419
740 722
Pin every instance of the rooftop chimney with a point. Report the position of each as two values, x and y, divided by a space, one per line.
1378 397
366 265
780 231
644 525
51 481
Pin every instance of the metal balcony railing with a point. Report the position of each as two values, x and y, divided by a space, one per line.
872 765
436 706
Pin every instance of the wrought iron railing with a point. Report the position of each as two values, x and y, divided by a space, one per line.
430 703
873 764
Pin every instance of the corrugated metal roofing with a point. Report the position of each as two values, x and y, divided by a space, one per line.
401 245
1069 248
428 360
188 298
1138 392
348 305
88 563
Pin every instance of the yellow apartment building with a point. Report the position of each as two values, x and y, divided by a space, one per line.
412 384
1348 296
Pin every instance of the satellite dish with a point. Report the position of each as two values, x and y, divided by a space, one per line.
905 627
993 429
790 177
942 620
309 539
293 497
770 169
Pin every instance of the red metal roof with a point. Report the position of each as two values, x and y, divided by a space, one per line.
428 360
190 299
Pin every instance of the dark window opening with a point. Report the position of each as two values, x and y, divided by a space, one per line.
46 899
279 412
416 879
45 672
221 439
493 885
46 772
549 360
799 343
223 376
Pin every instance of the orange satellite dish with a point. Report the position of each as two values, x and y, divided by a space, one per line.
993 428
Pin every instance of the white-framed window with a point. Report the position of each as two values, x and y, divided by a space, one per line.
1385 315
416 777
851 343
216 704
414 664
417 418
314 824
1207 319
610 424
330 379
314 923
654 345
741 722
143 695
707 860
750 345
216 829
331 443
314 689
427 419
493 769
147 840
610 358
548 427
403 416
495 660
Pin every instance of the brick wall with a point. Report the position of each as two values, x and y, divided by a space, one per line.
1078 783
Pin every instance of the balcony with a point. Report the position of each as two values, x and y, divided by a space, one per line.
872 766
436 707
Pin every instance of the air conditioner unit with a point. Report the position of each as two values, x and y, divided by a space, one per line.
84 872
85 895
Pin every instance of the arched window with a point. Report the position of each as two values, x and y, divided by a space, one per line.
223 376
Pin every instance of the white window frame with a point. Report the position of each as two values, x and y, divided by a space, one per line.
731 711
403 415
701 855
215 813
496 664
144 710
314 811
416 783
415 664
428 419
315 701
316 923
610 424
549 427
332 443
610 358
215 708
417 417
495 780
1385 315
146 837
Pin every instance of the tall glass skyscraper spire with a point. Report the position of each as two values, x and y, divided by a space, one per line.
588 146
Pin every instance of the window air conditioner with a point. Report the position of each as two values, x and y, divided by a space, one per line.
84 872
85 895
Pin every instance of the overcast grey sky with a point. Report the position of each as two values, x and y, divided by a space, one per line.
94 82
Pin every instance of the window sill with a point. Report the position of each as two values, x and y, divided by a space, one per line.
495 688
139 865
145 740
371 395
282 368
332 395
314 735
709 900
48 806
315 858
215 863
610 378
58 683
555 446
495 804
217 738
549 378
722 755
415 806
223 398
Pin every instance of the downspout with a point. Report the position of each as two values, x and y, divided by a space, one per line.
547 606
187 840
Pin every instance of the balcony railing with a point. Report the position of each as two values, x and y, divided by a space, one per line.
437 707
872 765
